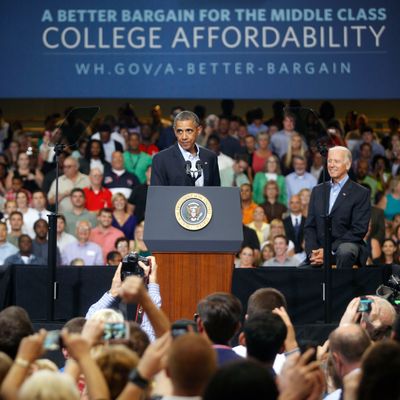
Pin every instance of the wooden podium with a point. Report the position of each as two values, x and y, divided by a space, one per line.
192 263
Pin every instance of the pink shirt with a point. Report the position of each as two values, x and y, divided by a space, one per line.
105 240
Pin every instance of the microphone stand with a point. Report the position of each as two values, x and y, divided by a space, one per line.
52 284
327 246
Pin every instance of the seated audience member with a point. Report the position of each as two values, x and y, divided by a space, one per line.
38 210
16 186
6 249
136 161
122 246
305 195
109 143
247 204
381 172
389 255
32 178
281 258
40 244
262 153
267 252
300 178
242 380
277 228
97 196
146 140
250 239
63 238
280 140
229 144
121 218
9 207
390 203
224 161
235 175
105 234
294 224
219 320
138 245
71 179
317 165
89 252
16 227
367 134
264 336
138 197
25 254
347 344
112 299
119 180
379 372
296 147
272 207
113 258
78 212
15 324
94 158
378 322
259 224
363 177
271 173
51 174
246 258
255 122
28 213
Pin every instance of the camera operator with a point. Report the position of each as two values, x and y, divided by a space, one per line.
133 290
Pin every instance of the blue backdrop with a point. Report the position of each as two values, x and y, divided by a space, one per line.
200 49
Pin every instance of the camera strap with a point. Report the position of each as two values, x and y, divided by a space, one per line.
139 314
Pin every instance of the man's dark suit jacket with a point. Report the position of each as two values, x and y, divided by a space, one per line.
291 234
350 216
169 169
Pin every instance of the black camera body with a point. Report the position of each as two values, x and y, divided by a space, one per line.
130 265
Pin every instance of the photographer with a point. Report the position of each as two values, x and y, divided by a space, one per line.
132 290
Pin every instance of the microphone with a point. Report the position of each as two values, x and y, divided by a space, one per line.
188 167
199 168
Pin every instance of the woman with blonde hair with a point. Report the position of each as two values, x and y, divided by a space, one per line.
296 147
390 203
138 245
259 224
262 153
305 195
272 172
121 219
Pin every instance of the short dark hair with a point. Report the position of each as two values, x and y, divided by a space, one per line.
187 116
282 237
16 213
14 326
242 380
105 128
78 190
265 335
105 210
75 325
220 313
37 222
23 236
265 299
111 255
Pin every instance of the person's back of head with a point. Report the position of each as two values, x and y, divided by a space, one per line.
241 380
116 362
14 326
75 325
190 364
380 372
47 385
264 334
138 339
220 315
265 299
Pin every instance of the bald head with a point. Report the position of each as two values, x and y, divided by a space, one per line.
350 341
191 363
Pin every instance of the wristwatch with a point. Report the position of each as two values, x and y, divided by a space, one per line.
137 379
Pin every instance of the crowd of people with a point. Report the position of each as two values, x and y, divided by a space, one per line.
110 357
274 161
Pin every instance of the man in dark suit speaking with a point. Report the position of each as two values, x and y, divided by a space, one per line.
185 163
350 211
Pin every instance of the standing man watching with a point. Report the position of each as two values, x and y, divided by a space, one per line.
185 163
350 210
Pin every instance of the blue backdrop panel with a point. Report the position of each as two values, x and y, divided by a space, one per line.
191 49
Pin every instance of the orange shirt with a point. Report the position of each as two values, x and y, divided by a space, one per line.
247 213
105 240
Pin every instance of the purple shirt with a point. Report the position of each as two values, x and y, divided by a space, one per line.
89 252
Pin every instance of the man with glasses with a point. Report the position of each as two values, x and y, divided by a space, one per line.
71 179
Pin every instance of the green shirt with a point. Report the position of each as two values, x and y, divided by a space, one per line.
137 164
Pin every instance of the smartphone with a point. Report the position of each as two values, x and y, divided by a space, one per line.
365 305
116 331
52 341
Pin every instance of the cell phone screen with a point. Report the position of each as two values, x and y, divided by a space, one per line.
52 341
116 331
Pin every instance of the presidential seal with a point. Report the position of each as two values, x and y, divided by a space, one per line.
193 211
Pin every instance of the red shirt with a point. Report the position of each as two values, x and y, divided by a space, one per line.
149 148
95 202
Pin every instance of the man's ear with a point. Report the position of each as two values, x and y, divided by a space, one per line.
200 326
242 339
199 130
